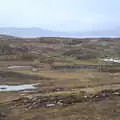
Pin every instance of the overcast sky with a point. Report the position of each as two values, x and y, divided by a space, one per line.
61 15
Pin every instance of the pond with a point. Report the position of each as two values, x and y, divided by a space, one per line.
76 67
115 60
16 67
17 87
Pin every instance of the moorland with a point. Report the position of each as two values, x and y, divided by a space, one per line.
71 76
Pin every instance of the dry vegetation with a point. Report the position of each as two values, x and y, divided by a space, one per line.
74 83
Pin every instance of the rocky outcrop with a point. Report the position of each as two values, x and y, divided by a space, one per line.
31 102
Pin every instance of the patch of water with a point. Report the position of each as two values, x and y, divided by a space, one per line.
15 67
115 60
17 87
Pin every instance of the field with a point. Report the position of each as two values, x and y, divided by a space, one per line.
72 79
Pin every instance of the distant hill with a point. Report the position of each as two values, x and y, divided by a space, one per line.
30 32
38 32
